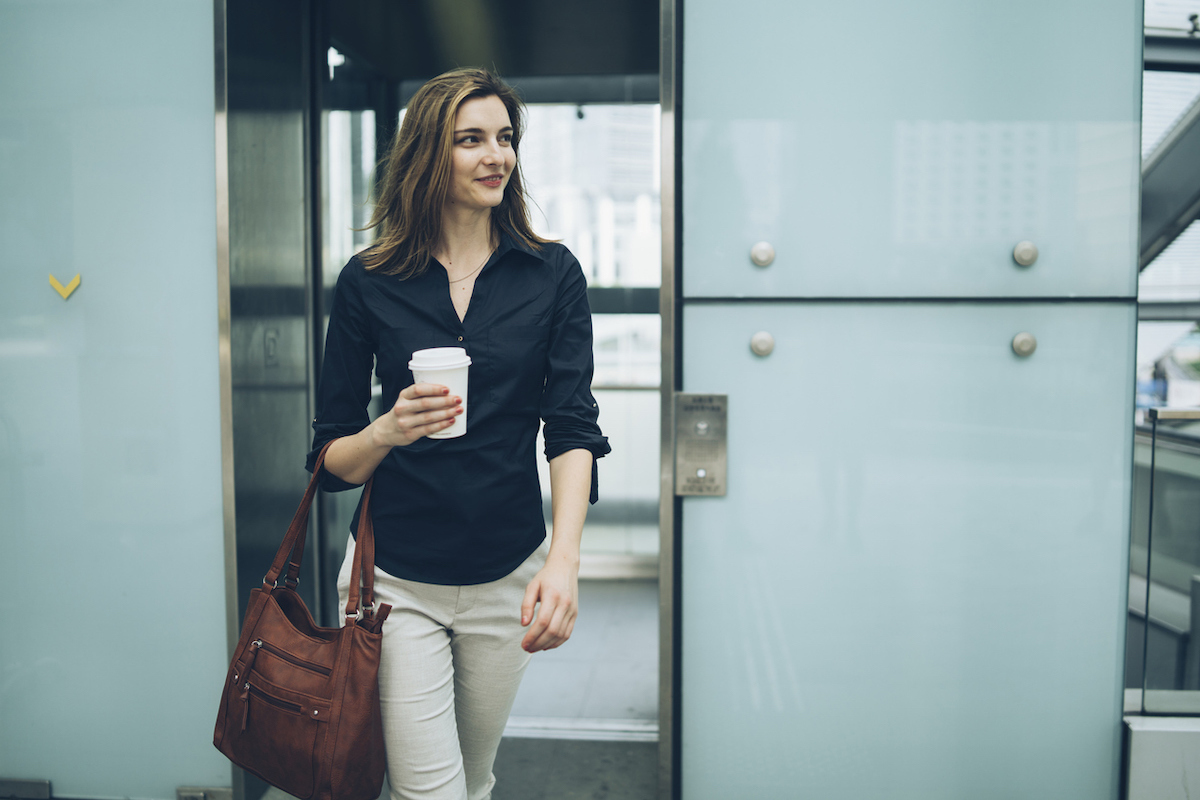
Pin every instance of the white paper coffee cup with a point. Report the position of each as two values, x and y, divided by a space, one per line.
446 366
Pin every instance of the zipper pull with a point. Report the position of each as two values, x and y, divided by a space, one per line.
245 705
255 647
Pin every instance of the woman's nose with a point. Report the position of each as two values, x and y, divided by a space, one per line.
492 154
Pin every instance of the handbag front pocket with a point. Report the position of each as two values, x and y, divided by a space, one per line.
286 669
278 732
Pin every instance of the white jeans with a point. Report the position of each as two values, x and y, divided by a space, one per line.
448 674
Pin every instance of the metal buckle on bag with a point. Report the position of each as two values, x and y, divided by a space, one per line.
364 612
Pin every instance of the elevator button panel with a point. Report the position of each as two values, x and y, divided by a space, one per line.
700 444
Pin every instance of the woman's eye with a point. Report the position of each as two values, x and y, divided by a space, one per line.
468 140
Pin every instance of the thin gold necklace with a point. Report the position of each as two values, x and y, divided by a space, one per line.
472 272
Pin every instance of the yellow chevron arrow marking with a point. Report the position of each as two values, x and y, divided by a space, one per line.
65 291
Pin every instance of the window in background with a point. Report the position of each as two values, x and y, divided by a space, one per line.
1166 97
1161 588
1169 16
349 139
1168 368
1168 365
347 166
592 174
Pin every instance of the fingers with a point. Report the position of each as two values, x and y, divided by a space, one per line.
425 397
531 596
411 418
554 625
555 632
415 390
424 408
570 630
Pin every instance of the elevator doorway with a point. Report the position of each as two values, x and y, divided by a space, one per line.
310 118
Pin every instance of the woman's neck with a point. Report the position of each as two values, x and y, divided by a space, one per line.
465 235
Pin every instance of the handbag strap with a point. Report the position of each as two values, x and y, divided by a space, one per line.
364 546
298 530
363 565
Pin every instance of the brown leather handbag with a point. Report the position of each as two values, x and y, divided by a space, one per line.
300 707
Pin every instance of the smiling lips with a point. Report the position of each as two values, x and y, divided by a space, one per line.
491 181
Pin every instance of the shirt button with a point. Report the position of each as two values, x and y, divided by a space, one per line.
460 338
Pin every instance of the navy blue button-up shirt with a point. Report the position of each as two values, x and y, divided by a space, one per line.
464 510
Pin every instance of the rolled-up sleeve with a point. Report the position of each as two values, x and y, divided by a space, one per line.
568 408
344 393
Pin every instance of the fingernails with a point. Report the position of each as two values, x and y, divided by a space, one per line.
445 390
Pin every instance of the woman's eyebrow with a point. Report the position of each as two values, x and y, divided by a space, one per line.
507 128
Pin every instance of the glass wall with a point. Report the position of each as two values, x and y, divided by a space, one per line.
914 585
112 573
1164 600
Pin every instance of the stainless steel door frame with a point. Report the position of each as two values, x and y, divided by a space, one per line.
669 506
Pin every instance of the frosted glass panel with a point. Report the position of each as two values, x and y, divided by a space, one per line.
903 149
916 585
112 610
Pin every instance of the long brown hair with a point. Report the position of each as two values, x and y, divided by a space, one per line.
408 212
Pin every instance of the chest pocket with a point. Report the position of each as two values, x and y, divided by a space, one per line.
517 366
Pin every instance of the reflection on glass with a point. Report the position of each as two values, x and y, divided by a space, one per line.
1175 274
592 173
1168 365
627 350
1170 16
1166 97
621 536
1164 604
346 186
621 532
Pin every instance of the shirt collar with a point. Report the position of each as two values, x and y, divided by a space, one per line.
509 242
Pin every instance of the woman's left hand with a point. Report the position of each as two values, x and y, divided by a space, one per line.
556 587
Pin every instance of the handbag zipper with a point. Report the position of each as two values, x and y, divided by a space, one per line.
275 701
291 659
249 689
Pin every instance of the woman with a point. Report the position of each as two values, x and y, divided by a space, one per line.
460 550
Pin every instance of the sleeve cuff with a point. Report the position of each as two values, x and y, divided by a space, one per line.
327 481
599 447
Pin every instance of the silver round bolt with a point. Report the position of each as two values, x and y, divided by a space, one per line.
1025 253
1023 344
702 473
762 343
762 254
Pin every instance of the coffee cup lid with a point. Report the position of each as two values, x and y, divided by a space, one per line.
439 358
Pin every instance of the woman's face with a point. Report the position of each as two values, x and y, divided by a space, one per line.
483 157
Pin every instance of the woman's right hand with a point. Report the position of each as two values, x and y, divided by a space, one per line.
421 409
